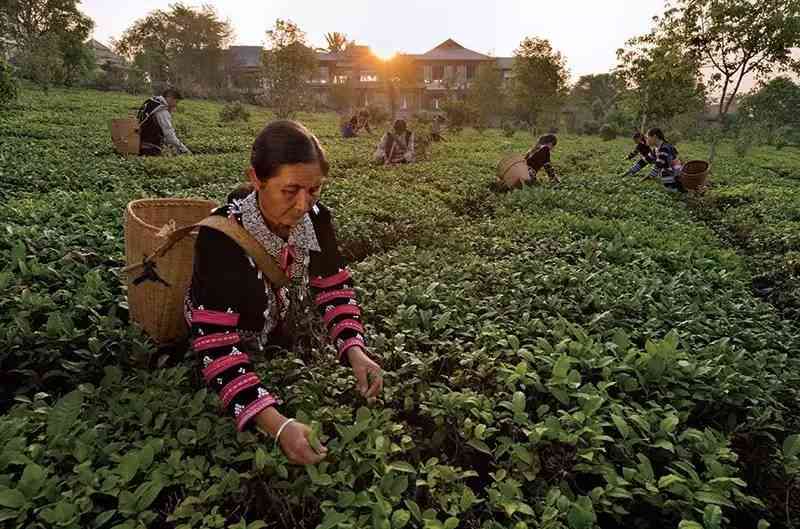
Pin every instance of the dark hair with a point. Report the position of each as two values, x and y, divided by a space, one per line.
637 136
172 92
401 124
547 138
285 142
658 133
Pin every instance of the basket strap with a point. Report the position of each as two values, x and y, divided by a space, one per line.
265 262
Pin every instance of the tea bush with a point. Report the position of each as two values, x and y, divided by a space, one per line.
607 132
598 354
8 84
235 111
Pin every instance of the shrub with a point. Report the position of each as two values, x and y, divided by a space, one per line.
235 111
8 85
590 127
459 114
743 143
607 132
377 114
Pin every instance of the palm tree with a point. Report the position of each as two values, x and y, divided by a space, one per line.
337 42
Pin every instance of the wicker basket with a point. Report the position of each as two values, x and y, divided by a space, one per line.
125 135
157 305
512 171
694 174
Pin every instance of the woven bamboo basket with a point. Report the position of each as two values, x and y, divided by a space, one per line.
153 305
694 175
512 171
125 135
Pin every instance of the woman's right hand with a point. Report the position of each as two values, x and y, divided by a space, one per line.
296 446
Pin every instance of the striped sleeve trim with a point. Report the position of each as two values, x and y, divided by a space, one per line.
350 343
213 317
350 310
329 296
344 325
223 364
236 386
331 281
253 409
215 340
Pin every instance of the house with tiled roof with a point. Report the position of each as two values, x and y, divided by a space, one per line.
243 68
443 72
105 56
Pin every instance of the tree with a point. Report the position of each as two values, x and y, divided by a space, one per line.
539 88
486 94
181 47
51 36
337 42
734 38
775 104
597 93
660 79
288 64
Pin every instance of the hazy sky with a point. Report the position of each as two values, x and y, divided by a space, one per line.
587 32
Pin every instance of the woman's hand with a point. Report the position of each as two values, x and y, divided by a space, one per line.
365 368
295 445
294 437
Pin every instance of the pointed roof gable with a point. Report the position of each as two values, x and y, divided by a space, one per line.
451 50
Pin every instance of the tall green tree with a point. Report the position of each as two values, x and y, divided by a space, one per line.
288 65
182 46
660 79
734 39
540 87
596 93
51 38
775 104
486 94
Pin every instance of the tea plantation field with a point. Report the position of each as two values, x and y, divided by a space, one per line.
601 354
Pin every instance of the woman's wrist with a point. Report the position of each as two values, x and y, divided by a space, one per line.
354 352
270 420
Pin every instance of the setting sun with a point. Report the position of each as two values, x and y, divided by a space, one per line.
384 55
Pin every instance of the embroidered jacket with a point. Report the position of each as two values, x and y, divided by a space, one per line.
539 158
667 165
234 311
643 150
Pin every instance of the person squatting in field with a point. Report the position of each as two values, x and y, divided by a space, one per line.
667 165
396 146
155 124
646 155
234 311
359 121
539 158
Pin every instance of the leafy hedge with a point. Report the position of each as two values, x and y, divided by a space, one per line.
584 356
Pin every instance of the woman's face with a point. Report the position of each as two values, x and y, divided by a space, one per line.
652 141
286 197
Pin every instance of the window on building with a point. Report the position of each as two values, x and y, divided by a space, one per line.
340 79
438 73
404 104
323 74
471 70
461 73
428 73
369 76
436 103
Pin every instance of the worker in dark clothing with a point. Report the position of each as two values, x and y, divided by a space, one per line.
155 124
539 158
645 153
